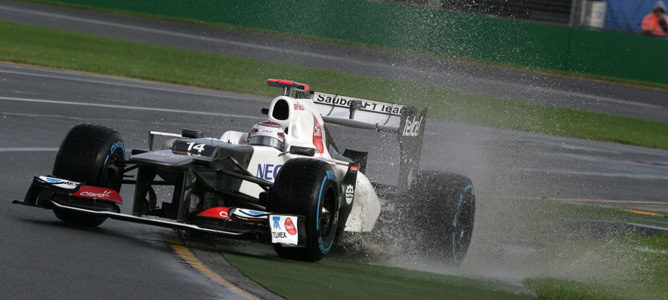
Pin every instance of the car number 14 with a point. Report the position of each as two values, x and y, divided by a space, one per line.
193 146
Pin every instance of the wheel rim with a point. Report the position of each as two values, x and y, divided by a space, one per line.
112 171
327 215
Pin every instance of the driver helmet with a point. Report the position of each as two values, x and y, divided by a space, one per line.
267 134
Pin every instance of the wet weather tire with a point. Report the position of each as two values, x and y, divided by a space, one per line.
445 206
308 188
93 155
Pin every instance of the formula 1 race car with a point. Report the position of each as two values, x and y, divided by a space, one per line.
284 182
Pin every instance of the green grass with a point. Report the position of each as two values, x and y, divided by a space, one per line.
547 210
606 267
47 47
339 279
562 289
648 278
580 263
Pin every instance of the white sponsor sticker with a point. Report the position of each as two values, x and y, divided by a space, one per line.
60 183
283 229
103 195
367 105
350 193
245 214
412 126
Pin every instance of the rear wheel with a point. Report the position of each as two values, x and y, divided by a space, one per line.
308 188
446 205
91 154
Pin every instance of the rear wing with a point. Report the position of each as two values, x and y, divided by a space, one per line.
407 122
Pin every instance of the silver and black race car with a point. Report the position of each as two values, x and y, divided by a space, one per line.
284 182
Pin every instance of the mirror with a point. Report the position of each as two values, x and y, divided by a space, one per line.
302 150
193 134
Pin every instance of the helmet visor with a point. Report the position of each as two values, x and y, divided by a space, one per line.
263 140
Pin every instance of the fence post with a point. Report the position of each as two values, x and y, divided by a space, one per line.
574 13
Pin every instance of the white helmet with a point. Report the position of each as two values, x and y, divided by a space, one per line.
267 134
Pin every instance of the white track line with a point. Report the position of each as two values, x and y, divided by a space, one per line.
127 107
592 173
27 149
104 81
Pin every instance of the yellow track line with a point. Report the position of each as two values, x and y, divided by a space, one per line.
604 201
640 212
190 258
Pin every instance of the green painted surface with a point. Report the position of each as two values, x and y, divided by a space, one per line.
598 53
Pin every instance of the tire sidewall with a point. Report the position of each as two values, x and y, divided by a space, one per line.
324 245
314 191
93 172
85 155
461 230
445 203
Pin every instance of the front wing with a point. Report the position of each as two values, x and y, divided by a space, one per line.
55 193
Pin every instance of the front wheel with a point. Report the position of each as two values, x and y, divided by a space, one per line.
94 155
308 188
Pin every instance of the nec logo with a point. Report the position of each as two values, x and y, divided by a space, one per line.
268 171
298 106
412 127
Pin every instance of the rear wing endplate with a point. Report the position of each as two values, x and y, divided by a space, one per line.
407 122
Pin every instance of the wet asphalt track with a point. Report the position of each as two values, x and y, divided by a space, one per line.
41 257
44 258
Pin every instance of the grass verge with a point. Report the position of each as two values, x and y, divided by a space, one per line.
594 267
647 278
61 49
339 279
584 252
550 210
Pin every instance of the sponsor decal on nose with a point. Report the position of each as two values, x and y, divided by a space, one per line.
100 193
268 171
277 222
216 212
284 230
290 227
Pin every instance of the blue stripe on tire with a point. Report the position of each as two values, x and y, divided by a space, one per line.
115 146
321 246
454 223
317 213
